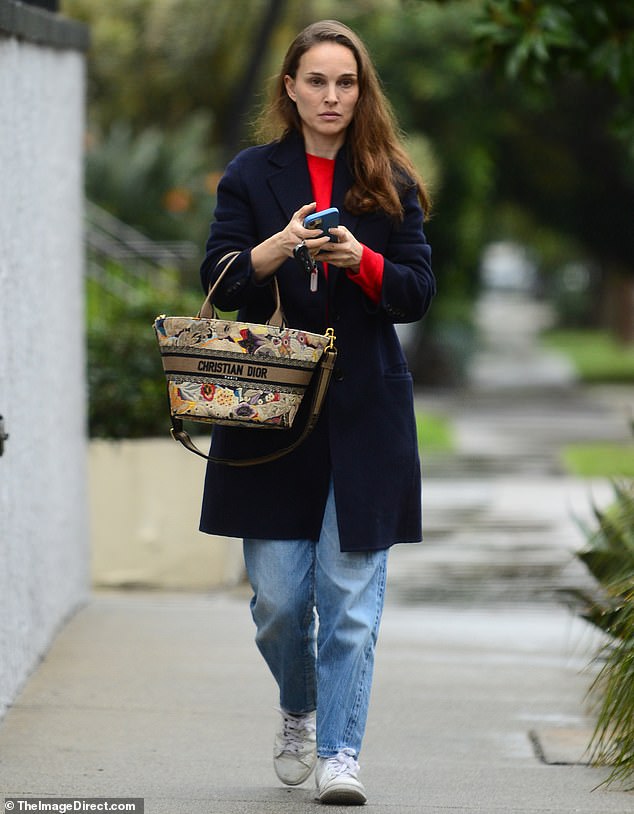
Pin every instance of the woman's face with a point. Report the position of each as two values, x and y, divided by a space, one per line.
325 90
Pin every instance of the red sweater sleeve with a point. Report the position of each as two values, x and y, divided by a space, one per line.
370 275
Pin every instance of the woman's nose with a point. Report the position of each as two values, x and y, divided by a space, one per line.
331 94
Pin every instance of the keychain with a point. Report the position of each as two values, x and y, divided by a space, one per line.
302 255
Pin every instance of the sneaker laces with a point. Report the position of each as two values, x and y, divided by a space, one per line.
343 763
294 731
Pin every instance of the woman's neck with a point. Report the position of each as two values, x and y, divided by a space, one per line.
323 148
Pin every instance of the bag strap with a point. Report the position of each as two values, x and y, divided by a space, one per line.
324 373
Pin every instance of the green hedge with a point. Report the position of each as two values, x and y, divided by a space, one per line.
127 393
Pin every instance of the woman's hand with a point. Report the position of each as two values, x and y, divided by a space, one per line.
296 233
346 253
267 256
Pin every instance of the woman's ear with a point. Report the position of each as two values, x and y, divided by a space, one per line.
289 84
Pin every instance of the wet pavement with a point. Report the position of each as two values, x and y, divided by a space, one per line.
501 515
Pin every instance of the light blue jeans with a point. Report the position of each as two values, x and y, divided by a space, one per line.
325 663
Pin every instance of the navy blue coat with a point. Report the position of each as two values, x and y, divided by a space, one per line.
366 436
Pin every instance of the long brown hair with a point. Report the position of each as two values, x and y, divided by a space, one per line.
379 163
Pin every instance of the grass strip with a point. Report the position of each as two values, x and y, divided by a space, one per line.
434 432
599 460
596 355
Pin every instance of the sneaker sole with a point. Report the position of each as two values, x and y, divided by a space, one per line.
343 796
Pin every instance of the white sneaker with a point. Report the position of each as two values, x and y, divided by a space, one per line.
295 751
337 781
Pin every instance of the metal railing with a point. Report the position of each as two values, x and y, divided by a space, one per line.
122 260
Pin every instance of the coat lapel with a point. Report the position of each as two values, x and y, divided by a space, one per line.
288 177
342 182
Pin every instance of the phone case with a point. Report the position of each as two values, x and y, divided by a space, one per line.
323 220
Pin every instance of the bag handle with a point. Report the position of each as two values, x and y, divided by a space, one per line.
208 309
324 373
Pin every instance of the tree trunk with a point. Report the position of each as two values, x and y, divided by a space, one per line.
237 116
620 307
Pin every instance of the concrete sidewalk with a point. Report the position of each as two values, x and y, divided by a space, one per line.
479 696
164 697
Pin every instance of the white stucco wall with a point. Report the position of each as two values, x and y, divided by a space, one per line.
44 546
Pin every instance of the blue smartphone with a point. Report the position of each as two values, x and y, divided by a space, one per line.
323 220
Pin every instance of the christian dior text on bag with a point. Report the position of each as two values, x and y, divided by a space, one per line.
241 374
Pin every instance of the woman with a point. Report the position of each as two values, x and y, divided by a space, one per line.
317 524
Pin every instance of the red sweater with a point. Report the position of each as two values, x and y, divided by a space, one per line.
370 275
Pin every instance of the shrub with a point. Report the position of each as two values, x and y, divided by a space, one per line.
158 181
127 393
610 558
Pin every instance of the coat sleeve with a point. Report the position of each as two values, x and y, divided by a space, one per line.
408 281
233 229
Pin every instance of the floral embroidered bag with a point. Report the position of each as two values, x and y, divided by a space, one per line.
241 374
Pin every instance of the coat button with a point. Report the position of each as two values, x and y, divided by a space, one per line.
338 374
